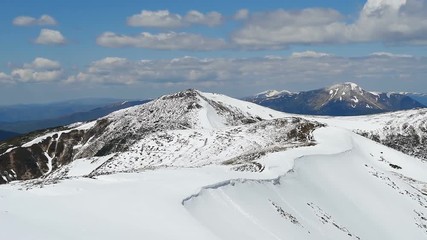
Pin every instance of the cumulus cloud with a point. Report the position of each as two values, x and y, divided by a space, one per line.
43 20
241 14
161 41
280 28
43 63
50 37
39 70
166 19
394 21
257 73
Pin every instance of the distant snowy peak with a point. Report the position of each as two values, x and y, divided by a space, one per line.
353 94
273 93
347 87
355 97
268 93
338 100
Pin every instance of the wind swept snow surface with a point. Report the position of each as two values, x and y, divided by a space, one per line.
345 195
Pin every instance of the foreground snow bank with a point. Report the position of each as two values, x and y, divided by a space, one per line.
345 187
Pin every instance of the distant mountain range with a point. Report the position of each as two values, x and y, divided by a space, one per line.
6 135
30 112
337 100
420 97
21 127
347 99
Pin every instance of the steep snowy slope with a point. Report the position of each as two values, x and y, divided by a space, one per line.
195 165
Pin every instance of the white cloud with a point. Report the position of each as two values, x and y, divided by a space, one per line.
210 19
29 75
162 18
50 37
4 78
394 21
373 6
40 70
177 71
161 41
31 21
112 70
256 73
241 14
280 28
166 19
43 63
387 54
310 54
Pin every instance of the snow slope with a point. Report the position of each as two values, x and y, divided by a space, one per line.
405 131
194 182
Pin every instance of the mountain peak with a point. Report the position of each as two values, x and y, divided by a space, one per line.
272 93
268 93
346 86
191 92
347 91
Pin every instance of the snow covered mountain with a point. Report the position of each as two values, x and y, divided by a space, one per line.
196 165
186 129
337 100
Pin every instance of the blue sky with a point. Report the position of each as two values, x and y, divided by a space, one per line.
57 49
